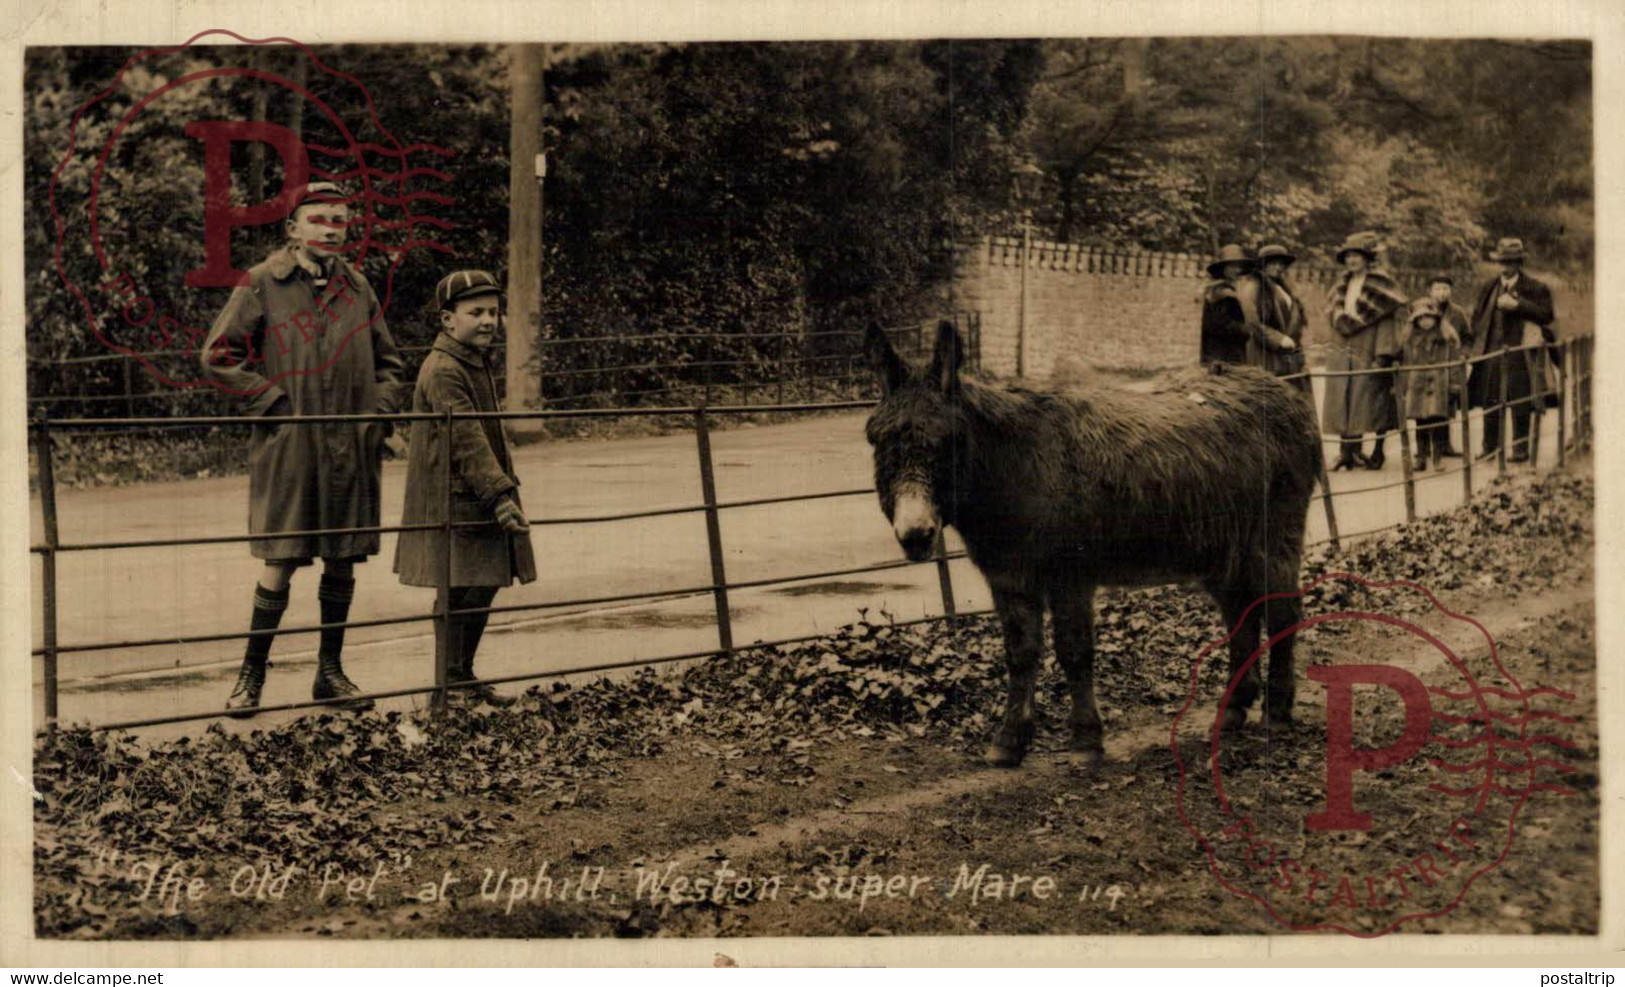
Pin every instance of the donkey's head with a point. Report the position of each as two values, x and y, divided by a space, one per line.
917 436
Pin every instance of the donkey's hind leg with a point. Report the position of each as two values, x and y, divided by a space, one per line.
1234 598
1022 615
1280 614
1073 609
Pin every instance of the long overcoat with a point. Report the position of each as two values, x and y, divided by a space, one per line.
1363 403
327 350
455 377
1281 310
1494 329
1426 393
1234 327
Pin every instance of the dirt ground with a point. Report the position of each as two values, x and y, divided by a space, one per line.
771 818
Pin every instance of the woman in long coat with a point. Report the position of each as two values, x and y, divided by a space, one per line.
1363 307
1281 310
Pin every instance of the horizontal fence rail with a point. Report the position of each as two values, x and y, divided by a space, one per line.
1574 370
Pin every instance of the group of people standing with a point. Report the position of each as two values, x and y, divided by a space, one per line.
1251 315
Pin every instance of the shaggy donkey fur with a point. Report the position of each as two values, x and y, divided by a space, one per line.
1207 478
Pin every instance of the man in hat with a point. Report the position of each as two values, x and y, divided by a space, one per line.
1513 310
1231 328
493 547
306 336
1454 329
1281 310
1363 307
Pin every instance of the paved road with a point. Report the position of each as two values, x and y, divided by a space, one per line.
127 594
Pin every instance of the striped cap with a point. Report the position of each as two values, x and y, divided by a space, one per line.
465 284
330 193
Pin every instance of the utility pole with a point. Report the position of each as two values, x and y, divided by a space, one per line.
526 167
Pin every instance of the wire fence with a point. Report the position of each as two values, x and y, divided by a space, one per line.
608 371
1572 363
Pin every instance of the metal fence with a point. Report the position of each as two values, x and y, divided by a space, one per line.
1574 389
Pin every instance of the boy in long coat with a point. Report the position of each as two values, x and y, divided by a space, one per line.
1426 393
490 547
1363 307
1513 310
306 336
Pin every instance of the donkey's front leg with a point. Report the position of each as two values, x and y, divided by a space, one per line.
1022 615
1073 607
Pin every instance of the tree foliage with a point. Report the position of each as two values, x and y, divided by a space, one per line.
718 201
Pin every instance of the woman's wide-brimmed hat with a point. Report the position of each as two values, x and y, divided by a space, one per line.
1508 248
1366 243
1231 253
1274 251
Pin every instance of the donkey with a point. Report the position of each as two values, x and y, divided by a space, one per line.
1055 492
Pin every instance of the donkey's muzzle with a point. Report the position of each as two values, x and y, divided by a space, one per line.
914 522
917 543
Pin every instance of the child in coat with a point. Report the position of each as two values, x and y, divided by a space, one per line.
1429 340
490 544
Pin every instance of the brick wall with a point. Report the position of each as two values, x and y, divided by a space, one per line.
1115 310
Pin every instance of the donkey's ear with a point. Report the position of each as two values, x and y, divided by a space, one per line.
888 365
945 361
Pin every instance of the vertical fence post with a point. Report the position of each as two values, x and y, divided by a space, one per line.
1584 377
1405 452
1320 467
1536 359
47 487
1562 401
1503 419
803 369
945 579
442 644
784 362
1021 324
129 389
713 530
1467 453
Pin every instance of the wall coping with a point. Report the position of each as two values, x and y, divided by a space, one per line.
1082 258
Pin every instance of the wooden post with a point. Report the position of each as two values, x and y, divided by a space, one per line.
1537 401
1502 421
1405 454
526 167
1320 473
1562 401
713 530
945 579
1467 453
784 361
442 648
1021 324
129 385
708 356
47 488
1583 376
